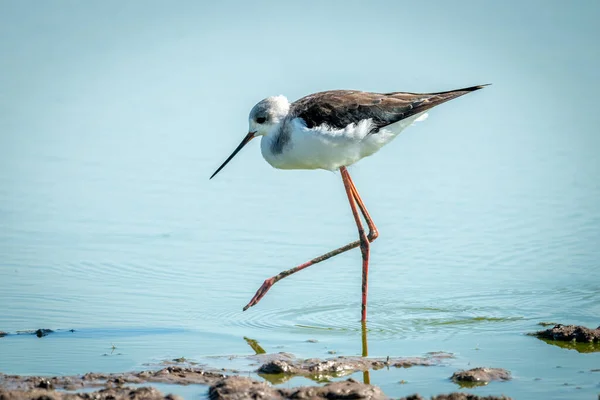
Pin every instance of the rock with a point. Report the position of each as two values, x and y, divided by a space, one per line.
570 333
276 367
43 332
240 388
481 375
45 384
2 333
332 366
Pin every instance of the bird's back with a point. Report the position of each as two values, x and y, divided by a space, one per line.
339 108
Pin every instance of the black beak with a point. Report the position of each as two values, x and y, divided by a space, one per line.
248 138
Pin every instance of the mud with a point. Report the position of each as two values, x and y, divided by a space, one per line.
221 386
239 388
277 369
574 333
480 376
456 396
172 374
120 393
38 332
41 332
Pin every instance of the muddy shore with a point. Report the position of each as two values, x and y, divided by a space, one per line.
227 385
274 369
222 388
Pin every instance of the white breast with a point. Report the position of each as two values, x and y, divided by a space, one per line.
326 148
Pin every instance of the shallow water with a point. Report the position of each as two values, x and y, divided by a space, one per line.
110 226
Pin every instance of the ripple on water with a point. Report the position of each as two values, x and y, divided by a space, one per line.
326 317
498 311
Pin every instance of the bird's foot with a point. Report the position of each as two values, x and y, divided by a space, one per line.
260 293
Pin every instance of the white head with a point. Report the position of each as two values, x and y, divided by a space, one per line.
267 114
265 117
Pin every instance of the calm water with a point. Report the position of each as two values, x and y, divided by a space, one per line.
489 211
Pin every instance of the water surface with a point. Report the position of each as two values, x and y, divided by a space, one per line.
112 119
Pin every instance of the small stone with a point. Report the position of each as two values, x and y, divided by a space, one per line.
43 332
45 384
275 367
481 375
118 381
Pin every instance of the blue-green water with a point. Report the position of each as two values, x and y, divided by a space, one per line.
112 118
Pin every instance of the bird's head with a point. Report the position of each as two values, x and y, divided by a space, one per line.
264 119
267 115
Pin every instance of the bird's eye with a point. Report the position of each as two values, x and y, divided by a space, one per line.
261 120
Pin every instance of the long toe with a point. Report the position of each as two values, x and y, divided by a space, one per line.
260 293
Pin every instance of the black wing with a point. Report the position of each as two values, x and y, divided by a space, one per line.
340 108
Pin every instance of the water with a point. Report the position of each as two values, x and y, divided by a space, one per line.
113 119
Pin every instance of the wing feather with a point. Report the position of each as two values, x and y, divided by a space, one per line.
340 108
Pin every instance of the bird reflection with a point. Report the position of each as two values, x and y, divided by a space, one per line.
365 351
320 377
254 345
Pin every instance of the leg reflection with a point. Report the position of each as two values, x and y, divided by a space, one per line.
254 345
365 351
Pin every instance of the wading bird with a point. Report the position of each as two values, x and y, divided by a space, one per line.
332 130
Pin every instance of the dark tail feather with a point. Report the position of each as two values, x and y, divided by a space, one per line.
426 101
466 90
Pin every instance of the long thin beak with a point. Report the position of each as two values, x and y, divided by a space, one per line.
248 138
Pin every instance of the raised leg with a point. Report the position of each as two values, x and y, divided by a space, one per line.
373 234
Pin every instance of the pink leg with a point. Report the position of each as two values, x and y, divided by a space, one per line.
365 245
354 199
373 232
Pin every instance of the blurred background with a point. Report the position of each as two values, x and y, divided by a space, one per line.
114 114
